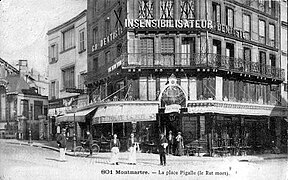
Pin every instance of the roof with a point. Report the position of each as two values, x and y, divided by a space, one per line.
17 84
74 19
9 66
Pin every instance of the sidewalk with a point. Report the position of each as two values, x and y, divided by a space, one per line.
52 145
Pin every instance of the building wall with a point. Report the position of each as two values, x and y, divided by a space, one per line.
72 57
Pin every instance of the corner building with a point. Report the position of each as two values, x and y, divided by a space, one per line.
210 69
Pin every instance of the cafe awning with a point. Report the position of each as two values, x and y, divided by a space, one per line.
80 116
115 113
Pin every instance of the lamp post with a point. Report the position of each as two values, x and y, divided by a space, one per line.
30 133
75 128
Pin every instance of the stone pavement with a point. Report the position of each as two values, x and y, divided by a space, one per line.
104 157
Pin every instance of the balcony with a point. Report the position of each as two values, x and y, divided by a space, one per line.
201 60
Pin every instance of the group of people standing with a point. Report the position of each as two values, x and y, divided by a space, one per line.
174 145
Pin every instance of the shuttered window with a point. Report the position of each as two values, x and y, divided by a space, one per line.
68 39
68 78
147 51
53 53
272 35
216 12
247 26
229 17
262 31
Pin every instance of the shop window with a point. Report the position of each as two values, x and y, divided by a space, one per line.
167 51
205 88
272 35
229 17
68 39
68 77
187 50
216 12
38 106
146 9
167 9
143 88
25 108
147 51
262 31
187 9
247 26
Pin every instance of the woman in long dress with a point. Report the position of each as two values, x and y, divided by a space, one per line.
132 144
180 144
114 145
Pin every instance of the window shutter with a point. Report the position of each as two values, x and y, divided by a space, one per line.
57 89
79 81
56 52
49 54
50 91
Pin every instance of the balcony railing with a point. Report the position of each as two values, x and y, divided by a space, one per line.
197 60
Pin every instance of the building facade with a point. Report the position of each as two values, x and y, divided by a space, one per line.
210 69
22 108
67 48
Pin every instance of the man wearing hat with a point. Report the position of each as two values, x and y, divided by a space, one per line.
62 142
180 144
170 143
89 142
163 143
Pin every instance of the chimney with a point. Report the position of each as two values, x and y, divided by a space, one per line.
23 67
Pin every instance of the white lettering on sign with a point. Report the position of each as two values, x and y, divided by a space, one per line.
172 108
115 66
108 39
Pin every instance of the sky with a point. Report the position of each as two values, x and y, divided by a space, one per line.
24 24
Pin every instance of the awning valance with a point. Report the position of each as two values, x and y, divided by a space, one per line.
125 113
79 116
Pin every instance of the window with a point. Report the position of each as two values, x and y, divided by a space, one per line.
68 78
229 17
25 108
230 54
167 51
262 62
216 13
187 50
68 39
247 26
95 32
107 57
217 52
38 109
272 35
95 64
107 27
53 53
81 80
261 5
187 9
147 51
119 50
247 59
262 31
53 89
82 40
272 59
146 9
166 9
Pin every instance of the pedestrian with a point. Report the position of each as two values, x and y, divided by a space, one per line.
163 143
170 143
180 144
114 145
89 142
62 143
131 145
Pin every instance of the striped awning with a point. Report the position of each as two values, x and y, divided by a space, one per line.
79 116
114 113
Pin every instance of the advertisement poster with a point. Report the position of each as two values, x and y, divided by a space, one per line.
143 89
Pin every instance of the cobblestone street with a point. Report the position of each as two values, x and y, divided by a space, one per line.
29 162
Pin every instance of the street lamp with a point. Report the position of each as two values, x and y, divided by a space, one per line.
30 135
75 128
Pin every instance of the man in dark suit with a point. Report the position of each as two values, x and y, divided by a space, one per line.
163 143
89 142
62 142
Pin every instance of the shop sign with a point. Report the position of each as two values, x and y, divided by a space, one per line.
114 66
74 90
183 24
172 108
108 39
